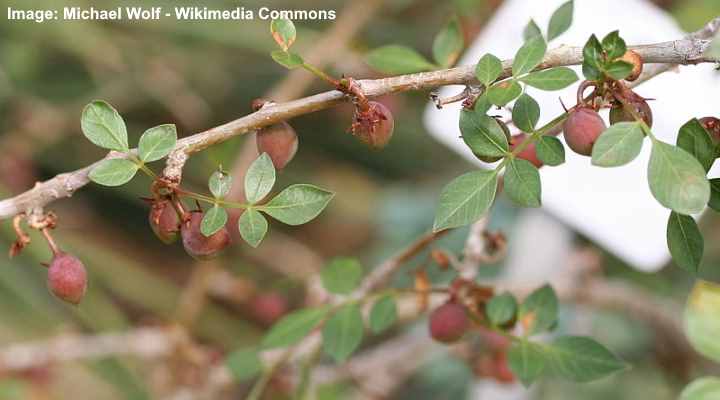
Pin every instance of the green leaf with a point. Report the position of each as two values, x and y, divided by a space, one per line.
539 310
283 31
526 360
706 388
113 172
219 184
504 92
465 199
522 183
287 59
618 69
529 56
526 113
343 332
448 44
614 45
677 180
394 59
488 69
551 79
531 30
294 327
581 359
702 325
685 242
298 204
550 150
104 126
618 145
501 309
592 58
560 20
483 134
259 179
342 275
694 139
157 142
213 220
714 202
252 226
244 364
383 314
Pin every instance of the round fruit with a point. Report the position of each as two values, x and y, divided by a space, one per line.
633 58
448 322
279 141
712 125
374 126
67 278
529 153
618 113
269 307
491 159
582 128
164 221
199 246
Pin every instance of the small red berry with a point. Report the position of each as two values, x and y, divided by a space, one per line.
67 278
269 307
279 141
529 153
199 246
374 126
582 128
448 322
164 221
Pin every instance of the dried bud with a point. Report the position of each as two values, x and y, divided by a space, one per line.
441 258
67 278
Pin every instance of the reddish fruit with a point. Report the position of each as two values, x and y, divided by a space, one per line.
582 128
529 153
712 125
67 278
448 322
199 246
164 221
279 141
503 373
269 307
374 126
490 159
633 58
619 114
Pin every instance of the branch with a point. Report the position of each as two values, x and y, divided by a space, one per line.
689 50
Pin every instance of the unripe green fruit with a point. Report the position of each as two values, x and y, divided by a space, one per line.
582 128
529 153
619 114
199 246
67 278
279 141
374 126
164 221
491 159
449 322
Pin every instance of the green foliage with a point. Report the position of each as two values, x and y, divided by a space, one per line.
714 201
618 145
294 327
529 56
259 179
342 275
526 113
550 150
526 360
298 204
214 219
560 20
395 59
488 69
501 309
343 332
702 325
531 30
284 33
287 59
694 139
157 142
613 45
113 172
244 364
618 69
551 79
522 183
465 199
581 359
482 134
383 314
705 388
592 59
219 184
504 92
539 310
677 180
252 226
104 126
685 242
448 44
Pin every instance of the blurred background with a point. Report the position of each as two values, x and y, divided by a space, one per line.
201 74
